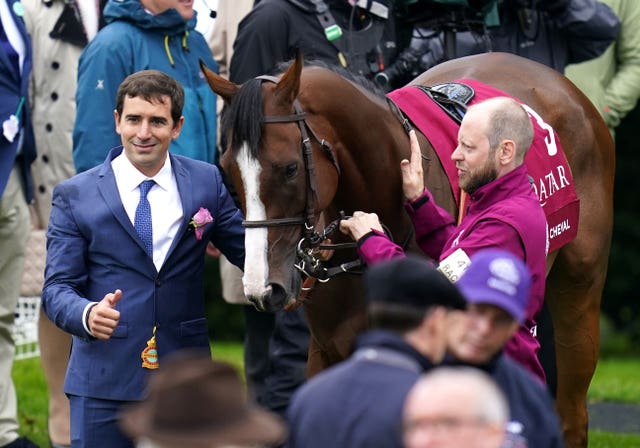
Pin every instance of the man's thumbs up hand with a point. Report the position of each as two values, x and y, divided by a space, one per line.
103 318
113 298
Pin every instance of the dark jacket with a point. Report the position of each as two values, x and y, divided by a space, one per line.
14 88
357 403
275 29
555 32
531 407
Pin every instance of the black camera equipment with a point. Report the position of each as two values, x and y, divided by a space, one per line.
435 25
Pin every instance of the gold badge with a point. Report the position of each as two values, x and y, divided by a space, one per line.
150 354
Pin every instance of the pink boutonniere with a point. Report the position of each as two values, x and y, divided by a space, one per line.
199 220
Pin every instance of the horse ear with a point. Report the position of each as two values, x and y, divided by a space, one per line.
289 84
223 87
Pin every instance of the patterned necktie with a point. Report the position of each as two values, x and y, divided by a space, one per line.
142 221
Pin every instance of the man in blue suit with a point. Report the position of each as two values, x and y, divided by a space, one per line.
125 257
17 151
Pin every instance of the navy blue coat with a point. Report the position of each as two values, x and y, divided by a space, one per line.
13 88
358 402
530 404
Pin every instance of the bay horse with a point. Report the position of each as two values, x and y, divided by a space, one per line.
311 143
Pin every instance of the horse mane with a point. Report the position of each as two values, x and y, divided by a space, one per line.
242 120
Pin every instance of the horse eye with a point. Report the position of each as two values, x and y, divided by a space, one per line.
290 170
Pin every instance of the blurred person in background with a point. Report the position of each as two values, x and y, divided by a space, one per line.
453 407
612 81
196 402
553 32
17 152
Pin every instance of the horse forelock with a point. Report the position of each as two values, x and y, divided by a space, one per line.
242 121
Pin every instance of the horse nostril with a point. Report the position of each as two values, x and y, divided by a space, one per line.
258 305
278 298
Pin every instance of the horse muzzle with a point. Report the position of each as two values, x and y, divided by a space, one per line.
274 298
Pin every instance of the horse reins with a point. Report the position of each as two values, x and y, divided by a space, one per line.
309 264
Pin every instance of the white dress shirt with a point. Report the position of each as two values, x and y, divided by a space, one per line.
166 206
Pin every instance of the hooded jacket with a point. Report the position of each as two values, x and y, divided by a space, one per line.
504 213
135 40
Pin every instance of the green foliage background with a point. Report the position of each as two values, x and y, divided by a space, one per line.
226 321
620 301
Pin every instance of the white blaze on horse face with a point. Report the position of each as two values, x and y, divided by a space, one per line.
255 240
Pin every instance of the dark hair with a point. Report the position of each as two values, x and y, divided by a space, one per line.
152 85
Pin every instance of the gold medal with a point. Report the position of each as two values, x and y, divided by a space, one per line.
150 354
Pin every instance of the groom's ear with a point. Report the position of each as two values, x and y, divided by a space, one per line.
177 128
116 117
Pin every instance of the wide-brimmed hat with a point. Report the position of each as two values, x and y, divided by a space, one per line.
197 402
497 277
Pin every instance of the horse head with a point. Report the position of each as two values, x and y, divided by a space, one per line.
282 172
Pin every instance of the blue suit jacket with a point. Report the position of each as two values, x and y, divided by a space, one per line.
14 86
93 249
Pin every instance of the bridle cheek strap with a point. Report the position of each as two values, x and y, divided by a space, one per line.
299 117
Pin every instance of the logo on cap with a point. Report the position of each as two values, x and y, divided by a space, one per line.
505 276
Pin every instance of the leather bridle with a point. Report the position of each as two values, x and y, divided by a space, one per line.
308 218
307 249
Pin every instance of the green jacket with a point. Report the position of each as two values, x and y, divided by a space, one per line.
612 81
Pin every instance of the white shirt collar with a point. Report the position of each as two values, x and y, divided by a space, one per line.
130 178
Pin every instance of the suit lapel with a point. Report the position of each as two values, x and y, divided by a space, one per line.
109 190
185 190
22 81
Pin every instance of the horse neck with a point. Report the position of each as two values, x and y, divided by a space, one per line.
370 144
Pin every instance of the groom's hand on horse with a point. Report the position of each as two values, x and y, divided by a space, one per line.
412 173
360 224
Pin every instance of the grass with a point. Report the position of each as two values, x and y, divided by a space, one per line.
615 380
32 390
